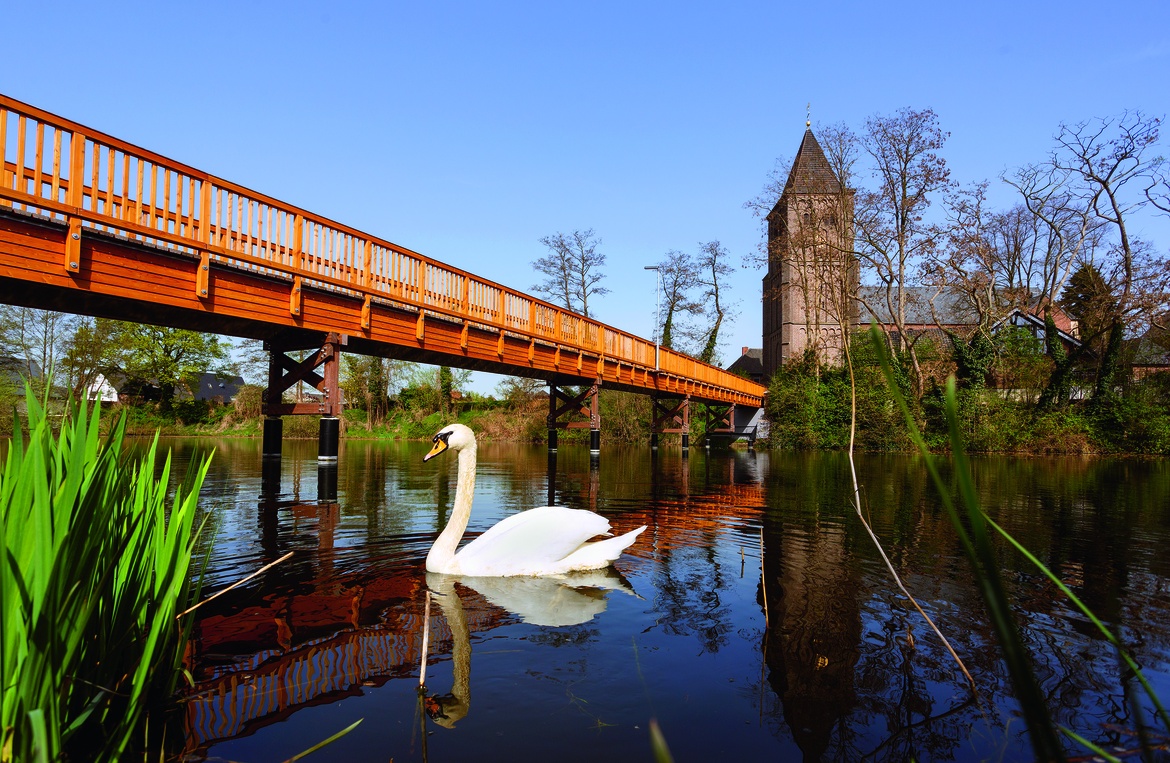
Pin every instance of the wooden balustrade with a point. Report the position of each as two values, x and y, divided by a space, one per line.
59 169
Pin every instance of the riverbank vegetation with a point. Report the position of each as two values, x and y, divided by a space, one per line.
808 404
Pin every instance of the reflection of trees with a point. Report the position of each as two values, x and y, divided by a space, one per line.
364 479
688 582
1085 520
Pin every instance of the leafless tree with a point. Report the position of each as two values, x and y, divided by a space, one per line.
1099 177
713 270
520 391
893 232
572 270
1115 173
992 261
761 206
37 338
94 347
679 273
1066 230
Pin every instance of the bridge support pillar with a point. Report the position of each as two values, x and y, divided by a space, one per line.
563 404
321 370
270 477
329 434
273 432
552 478
670 416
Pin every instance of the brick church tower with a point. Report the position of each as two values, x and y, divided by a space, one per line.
812 279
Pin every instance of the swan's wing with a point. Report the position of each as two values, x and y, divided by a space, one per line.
532 542
599 554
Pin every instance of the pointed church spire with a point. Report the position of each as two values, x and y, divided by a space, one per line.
811 172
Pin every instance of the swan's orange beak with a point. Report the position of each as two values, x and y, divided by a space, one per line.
439 446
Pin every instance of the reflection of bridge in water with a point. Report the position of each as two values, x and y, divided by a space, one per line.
322 635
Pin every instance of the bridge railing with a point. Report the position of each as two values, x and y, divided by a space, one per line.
60 169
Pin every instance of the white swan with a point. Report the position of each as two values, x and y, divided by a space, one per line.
550 540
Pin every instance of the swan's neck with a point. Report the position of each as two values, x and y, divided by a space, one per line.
443 550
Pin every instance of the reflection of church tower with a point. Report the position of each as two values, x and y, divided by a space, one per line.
815 594
812 273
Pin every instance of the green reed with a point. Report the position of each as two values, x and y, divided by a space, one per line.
94 570
972 529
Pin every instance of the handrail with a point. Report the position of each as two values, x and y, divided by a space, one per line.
129 191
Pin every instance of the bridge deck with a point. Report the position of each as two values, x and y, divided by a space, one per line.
93 225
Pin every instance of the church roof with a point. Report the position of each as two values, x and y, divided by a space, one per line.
811 172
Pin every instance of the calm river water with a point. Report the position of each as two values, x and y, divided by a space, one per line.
822 661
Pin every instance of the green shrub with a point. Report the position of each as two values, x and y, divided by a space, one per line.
249 401
809 407
191 411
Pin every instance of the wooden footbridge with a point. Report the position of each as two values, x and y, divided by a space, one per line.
93 225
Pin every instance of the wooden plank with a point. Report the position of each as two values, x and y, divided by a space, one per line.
73 246
203 276
296 299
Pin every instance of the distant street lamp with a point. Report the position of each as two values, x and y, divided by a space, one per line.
657 308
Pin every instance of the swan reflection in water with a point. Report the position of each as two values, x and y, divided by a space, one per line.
552 601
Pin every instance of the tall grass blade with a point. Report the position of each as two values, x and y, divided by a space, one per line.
658 744
1088 613
325 742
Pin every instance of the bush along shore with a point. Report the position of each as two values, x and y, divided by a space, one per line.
808 408
625 419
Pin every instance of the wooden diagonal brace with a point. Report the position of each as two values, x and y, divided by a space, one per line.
720 418
284 372
671 416
582 404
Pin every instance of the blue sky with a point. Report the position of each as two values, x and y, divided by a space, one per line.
467 131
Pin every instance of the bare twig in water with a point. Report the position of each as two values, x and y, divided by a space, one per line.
236 584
